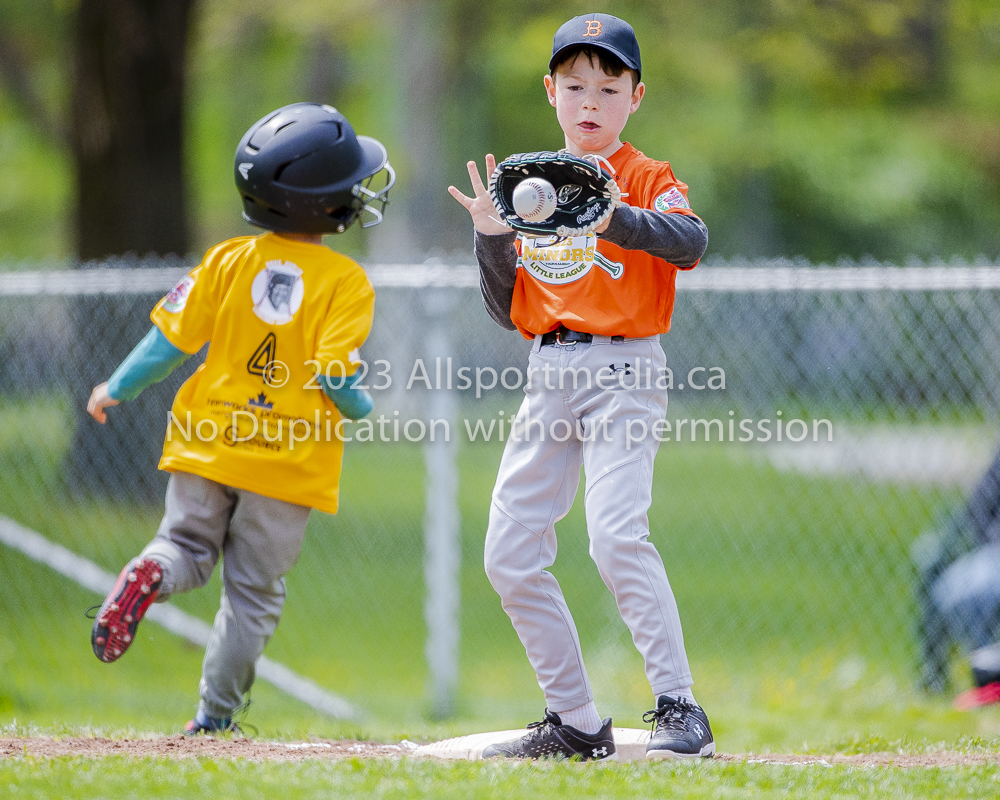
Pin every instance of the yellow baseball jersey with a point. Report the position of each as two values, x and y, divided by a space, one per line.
277 314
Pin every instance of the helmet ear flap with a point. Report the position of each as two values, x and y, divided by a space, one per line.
343 217
259 213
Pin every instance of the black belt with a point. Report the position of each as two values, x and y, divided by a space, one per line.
563 335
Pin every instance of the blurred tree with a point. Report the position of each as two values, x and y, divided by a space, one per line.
418 30
33 127
16 73
756 223
128 126
128 102
850 146
854 52
819 128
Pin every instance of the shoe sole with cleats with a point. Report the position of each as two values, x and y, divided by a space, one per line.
123 609
708 751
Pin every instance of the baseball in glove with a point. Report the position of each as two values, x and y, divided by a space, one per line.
586 193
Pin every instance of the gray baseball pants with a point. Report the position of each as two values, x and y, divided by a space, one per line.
260 539
536 484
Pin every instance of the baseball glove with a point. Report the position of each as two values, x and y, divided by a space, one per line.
586 193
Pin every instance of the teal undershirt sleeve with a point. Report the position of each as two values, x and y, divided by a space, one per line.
150 362
351 402
154 358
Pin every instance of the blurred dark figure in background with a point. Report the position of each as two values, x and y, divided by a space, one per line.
958 593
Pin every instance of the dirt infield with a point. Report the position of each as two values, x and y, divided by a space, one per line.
180 746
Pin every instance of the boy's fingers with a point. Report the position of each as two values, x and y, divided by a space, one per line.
96 412
99 400
491 163
477 182
465 201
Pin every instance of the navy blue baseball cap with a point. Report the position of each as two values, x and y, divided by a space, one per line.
599 30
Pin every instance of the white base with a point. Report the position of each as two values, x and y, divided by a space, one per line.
629 742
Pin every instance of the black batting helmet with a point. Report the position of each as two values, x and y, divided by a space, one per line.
302 169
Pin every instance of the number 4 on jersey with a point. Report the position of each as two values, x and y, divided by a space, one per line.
266 353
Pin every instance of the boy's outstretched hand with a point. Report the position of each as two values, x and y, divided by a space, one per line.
100 400
481 206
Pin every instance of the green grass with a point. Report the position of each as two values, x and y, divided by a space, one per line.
120 777
794 593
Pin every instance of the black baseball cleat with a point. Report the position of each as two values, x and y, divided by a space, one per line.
120 613
680 730
551 739
205 724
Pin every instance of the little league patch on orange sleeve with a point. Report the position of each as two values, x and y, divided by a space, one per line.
672 198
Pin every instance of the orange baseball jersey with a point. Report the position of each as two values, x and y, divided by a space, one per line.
594 286
277 313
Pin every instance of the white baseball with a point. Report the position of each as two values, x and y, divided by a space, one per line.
534 199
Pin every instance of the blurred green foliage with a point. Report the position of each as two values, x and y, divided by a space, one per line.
815 128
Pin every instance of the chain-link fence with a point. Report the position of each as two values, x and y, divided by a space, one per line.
820 420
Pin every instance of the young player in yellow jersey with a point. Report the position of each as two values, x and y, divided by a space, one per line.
252 443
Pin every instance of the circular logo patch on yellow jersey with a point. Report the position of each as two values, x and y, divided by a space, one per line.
277 292
177 298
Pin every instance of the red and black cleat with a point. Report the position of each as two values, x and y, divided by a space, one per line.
978 697
115 624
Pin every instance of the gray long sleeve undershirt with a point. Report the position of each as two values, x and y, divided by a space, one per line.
678 238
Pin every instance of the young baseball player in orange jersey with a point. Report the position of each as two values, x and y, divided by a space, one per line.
252 443
595 308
